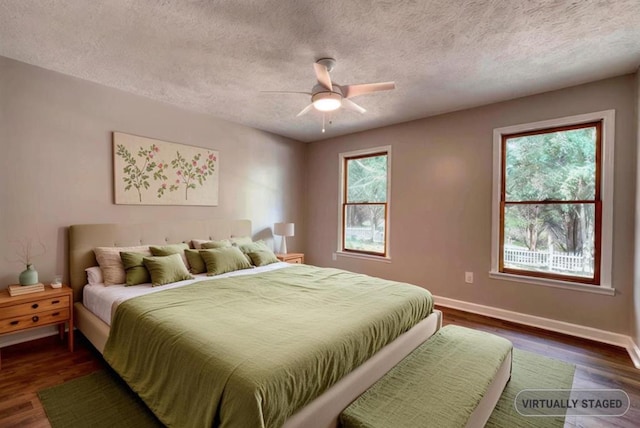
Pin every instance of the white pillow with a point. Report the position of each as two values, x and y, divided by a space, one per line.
94 275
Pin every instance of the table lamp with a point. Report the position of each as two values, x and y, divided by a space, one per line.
284 230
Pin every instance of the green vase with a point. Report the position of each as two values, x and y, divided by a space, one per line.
29 276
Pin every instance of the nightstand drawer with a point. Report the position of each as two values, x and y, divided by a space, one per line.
35 307
35 320
293 258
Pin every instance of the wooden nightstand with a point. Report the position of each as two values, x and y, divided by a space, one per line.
49 307
296 258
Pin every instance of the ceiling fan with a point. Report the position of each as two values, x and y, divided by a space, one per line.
328 96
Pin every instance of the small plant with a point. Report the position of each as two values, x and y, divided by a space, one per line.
26 253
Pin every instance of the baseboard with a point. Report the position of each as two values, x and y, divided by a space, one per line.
591 333
634 352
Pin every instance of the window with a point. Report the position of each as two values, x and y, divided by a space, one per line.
364 211
551 220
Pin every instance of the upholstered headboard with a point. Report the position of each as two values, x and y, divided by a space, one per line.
83 238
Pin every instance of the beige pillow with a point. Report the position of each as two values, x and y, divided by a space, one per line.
111 265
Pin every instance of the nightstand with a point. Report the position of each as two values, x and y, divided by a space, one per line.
49 307
295 258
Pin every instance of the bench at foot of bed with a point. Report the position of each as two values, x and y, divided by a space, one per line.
454 379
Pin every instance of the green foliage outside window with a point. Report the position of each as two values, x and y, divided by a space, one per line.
543 170
366 197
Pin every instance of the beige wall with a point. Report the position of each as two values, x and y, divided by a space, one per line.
56 170
441 204
56 163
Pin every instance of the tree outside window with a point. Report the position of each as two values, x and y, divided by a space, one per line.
365 204
550 203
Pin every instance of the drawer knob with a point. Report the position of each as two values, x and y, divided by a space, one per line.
35 306
55 314
14 322
53 302
35 318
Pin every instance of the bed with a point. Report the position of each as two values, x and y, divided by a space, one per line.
319 410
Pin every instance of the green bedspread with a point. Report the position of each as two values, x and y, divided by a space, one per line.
250 351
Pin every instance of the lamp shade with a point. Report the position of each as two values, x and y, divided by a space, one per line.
284 229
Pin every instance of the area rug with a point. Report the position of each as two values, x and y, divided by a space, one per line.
98 400
531 371
102 399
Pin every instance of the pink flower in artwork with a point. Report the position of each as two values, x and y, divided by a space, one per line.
194 163
178 181
164 185
210 155
214 159
160 165
179 172
156 149
150 155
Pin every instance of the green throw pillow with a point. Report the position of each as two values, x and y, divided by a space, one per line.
224 260
135 272
215 244
166 269
197 265
252 247
167 250
256 247
263 258
240 240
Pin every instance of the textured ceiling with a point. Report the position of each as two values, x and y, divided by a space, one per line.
216 56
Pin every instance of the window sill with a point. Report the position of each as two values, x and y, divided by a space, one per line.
597 289
363 257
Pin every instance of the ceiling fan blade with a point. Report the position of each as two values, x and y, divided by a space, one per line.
305 110
322 74
354 90
286 92
347 103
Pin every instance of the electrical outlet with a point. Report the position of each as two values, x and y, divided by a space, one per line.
334 257
468 277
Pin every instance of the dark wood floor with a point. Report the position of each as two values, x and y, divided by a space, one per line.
597 365
30 367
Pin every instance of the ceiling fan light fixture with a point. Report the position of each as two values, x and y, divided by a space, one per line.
327 101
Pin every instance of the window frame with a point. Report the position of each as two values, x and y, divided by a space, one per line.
343 159
603 203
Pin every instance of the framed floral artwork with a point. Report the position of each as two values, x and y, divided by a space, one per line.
154 172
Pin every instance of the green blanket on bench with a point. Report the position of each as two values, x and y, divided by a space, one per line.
438 385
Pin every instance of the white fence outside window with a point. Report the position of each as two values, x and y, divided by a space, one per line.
364 234
548 260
